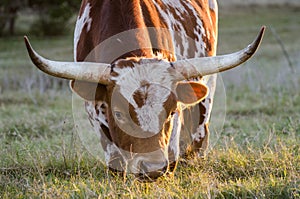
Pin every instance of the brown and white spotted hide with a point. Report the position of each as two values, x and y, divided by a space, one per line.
147 119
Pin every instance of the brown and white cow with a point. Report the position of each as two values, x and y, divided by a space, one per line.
147 71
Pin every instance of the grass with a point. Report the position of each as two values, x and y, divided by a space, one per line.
256 155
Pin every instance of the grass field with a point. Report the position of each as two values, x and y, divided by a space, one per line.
256 155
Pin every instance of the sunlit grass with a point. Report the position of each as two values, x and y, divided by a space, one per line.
227 172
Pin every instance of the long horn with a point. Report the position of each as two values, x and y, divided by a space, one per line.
196 67
86 71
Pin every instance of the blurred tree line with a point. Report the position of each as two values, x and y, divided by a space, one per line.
52 16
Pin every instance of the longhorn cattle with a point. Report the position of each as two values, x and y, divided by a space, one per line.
147 71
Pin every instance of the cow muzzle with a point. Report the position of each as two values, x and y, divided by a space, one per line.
149 167
151 171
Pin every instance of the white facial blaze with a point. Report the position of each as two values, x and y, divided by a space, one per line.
80 23
159 85
148 116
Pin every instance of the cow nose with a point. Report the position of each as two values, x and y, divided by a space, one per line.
150 171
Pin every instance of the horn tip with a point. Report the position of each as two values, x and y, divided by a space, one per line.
256 43
26 39
27 43
35 58
262 30
261 33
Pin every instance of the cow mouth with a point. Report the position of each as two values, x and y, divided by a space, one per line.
151 176
143 177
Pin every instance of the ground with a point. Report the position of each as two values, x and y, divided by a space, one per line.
255 155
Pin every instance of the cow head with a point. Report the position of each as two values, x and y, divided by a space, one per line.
143 98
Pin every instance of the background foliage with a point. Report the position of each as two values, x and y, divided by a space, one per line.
49 17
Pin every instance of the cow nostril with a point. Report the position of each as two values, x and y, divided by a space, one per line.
143 170
143 167
149 167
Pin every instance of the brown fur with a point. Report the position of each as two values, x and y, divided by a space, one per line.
125 15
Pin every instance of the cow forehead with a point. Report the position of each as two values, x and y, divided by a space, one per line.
150 80
155 74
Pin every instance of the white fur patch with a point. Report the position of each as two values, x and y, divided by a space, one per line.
171 22
131 79
210 81
175 136
99 118
111 149
80 23
148 117
199 134
213 5
180 38
199 33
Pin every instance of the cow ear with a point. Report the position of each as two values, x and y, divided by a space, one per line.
190 93
88 91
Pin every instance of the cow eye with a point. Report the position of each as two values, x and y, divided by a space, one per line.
118 115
